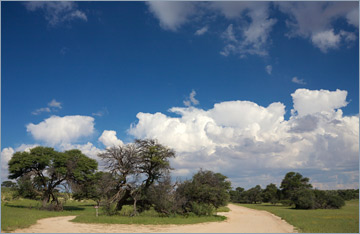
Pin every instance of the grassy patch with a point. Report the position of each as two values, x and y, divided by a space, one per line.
146 217
23 213
341 220
142 219
223 209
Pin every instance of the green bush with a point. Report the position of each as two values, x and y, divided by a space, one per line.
304 199
202 209
335 202
327 200
109 208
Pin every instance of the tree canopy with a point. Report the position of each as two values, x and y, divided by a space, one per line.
293 182
135 167
49 169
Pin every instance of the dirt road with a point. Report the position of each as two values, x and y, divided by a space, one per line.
240 220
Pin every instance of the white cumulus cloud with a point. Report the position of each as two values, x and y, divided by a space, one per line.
313 101
109 139
57 130
242 139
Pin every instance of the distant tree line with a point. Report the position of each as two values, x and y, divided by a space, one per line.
295 190
136 174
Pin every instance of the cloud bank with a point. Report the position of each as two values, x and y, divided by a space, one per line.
242 138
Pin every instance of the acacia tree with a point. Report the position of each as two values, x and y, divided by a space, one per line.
153 164
293 182
121 161
135 168
49 169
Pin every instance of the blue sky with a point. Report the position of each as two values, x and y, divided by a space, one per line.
251 90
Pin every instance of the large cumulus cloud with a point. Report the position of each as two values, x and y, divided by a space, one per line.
61 130
243 139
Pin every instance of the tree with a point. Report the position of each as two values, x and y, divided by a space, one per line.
8 184
293 182
303 198
164 198
49 169
122 163
207 188
254 194
26 188
145 160
98 187
270 194
237 195
154 160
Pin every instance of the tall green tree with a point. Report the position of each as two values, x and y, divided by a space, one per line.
254 194
293 182
50 169
270 194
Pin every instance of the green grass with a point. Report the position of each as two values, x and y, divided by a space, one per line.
223 209
146 217
23 213
341 220
142 219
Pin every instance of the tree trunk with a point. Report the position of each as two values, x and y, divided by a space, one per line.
135 211
45 200
122 201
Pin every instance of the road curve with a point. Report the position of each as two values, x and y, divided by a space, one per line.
240 220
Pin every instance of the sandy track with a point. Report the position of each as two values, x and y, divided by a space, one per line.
240 220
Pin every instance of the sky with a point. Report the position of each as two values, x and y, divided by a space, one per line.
252 90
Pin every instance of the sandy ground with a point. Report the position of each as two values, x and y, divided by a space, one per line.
240 220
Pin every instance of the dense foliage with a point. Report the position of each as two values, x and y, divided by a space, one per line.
43 170
204 192
297 191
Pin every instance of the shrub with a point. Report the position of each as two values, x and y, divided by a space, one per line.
335 202
109 208
304 199
328 200
202 209
206 187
